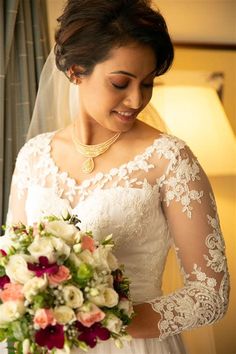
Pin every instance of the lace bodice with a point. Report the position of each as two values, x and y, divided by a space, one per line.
161 197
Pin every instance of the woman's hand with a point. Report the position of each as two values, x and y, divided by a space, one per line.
145 322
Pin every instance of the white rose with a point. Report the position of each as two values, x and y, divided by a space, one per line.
73 296
64 314
17 269
34 286
42 246
62 230
111 297
61 248
126 306
104 259
26 346
113 323
11 311
107 297
86 257
96 296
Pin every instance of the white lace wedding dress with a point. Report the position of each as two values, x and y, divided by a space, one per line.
161 197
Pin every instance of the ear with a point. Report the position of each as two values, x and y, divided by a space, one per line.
75 73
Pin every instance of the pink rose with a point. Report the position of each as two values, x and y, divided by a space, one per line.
90 317
11 292
87 243
44 317
60 276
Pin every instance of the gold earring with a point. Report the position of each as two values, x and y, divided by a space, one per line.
73 77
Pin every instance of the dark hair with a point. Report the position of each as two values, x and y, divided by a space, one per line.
89 29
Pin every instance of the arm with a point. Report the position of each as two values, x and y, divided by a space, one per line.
189 206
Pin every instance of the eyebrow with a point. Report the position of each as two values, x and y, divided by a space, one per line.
130 74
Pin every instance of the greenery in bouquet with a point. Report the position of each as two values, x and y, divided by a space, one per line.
61 289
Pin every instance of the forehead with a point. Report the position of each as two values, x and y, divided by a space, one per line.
139 60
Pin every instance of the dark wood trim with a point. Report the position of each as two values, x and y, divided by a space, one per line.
217 46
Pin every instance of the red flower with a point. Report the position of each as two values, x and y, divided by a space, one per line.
89 335
3 253
43 267
50 337
4 280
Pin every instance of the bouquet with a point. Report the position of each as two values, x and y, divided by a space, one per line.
60 289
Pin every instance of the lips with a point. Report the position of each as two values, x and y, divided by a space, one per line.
126 116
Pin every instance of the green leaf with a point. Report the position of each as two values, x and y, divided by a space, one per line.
19 329
3 334
2 271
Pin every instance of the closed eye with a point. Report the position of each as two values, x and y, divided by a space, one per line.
120 87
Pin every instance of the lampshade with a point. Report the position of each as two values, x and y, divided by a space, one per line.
196 115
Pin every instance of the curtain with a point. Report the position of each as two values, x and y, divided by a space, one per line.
24 46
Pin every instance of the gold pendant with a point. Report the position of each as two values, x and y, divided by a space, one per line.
88 165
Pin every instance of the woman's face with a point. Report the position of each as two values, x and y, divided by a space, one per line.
119 88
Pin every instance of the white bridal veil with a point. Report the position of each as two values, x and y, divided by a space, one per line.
57 101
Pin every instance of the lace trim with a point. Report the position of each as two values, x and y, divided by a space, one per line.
192 306
199 302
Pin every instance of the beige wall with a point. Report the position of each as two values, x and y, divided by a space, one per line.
200 20
54 9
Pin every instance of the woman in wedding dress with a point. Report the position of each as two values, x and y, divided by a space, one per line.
123 177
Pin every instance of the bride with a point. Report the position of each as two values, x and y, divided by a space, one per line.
120 175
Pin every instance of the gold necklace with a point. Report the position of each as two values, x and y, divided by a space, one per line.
92 151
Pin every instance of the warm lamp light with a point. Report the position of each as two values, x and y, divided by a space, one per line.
196 115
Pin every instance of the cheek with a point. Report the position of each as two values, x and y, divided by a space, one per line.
147 95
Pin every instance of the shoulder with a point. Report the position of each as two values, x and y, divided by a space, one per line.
32 153
165 144
33 147
29 157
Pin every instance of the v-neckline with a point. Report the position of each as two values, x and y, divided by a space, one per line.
99 175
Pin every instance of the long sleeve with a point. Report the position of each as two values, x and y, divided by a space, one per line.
190 209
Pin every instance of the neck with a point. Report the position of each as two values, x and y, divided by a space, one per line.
90 132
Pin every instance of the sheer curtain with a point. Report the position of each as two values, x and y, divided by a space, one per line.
24 47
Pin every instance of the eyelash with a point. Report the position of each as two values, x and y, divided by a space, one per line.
124 87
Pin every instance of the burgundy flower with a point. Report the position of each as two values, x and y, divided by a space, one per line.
50 337
4 280
90 334
117 283
43 267
3 253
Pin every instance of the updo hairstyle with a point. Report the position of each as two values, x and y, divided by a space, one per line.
89 29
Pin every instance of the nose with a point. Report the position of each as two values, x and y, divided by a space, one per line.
134 99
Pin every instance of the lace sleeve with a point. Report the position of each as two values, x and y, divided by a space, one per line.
190 209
